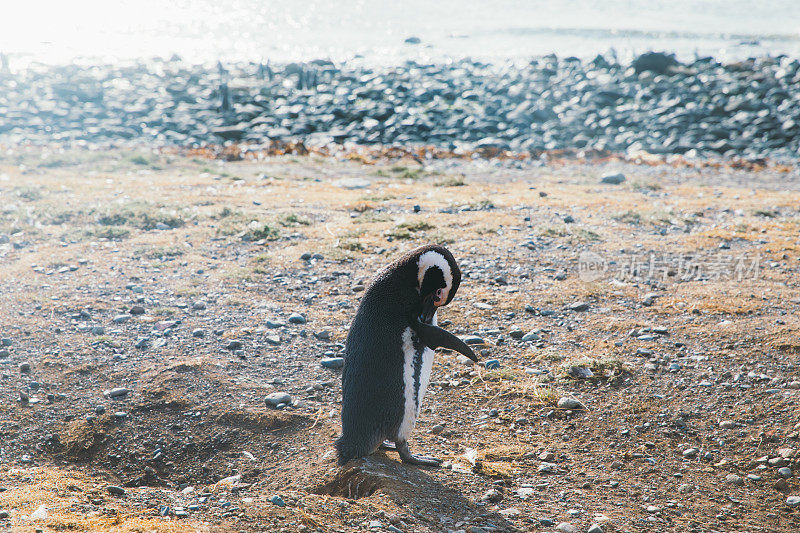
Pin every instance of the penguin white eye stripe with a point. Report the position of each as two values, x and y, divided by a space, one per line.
433 258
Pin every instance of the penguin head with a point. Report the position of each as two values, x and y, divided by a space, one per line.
438 278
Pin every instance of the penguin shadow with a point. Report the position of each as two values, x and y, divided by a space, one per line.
411 488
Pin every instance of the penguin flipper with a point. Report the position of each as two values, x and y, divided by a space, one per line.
436 337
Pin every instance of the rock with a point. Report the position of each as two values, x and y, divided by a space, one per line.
793 501
547 468
39 514
412 40
4 515
234 345
473 339
568 219
613 179
595 528
547 456
114 489
332 362
690 452
198 333
5 341
733 479
142 343
199 305
323 335
297 318
566 527
4 354
685 488
785 472
24 368
121 319
492 364
726 424
531 336
352 183
565 402
117 392
579 306
492 496
277 398
100 409
137 310
274 324
273 340
657 62
98 330
580 372
277 500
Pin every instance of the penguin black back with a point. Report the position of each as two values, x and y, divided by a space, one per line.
401 300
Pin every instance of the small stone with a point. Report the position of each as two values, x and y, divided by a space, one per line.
120 415
492 496
595 528
323 335
785 472
733 479
781 485
39 514
492 364
653 509
332 362
273 340
568 219
277 398
98 330
726 424
690 452
793 501
277 500
565 402
580 372
531 336
4 515
547 468
142 342
482 305
117 392
547 456
121 319
5 341
24 368
578 306
199 305
375 524
114 489
233 345
198 333
297 318
566 527
685 488
137 310
473 339
100 409
511 512
613 179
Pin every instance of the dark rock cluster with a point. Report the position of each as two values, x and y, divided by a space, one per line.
656 104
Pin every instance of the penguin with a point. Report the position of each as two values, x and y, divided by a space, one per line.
389 353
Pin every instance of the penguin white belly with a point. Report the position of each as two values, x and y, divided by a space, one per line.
417 365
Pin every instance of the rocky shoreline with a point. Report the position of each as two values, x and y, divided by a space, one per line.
748 109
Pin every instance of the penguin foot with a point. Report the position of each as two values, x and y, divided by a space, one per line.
418 460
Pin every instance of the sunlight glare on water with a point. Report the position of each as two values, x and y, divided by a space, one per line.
233 30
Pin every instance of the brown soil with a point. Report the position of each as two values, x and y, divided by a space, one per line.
193 433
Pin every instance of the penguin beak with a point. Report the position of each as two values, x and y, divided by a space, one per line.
429 306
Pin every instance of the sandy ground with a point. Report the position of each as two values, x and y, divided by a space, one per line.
666 306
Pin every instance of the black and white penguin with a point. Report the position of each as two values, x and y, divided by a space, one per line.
390 350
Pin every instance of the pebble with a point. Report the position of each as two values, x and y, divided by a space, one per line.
273 340
98 330
547 468
198 333
580 372
595 528
142 342
199 305
114 489
566 527
233 345
473 339
733 479
137 310
793 501
4 354
785 472
492 496
565 402
100 409
277 398
332 362
121 319
5 341
726 424
4 515
277 500
579 306
690 452
24 368
297 318
117 392
613 179
492 364
531 336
